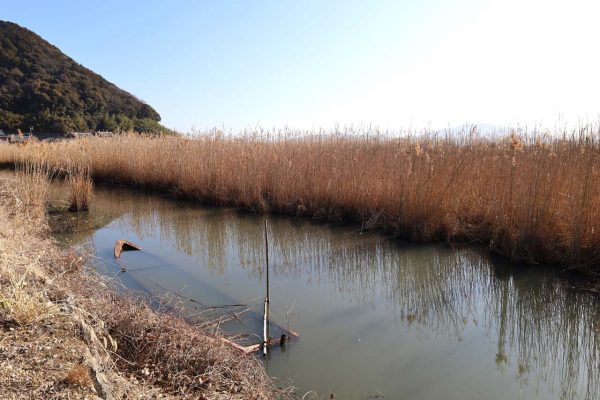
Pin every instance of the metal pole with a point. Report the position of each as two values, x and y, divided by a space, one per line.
266 310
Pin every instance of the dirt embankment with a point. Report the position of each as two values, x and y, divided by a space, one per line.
64 333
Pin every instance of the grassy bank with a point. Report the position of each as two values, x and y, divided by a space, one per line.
65 333
534 199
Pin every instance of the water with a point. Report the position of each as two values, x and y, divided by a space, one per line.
377 318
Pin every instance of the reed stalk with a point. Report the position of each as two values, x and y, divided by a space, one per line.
82 189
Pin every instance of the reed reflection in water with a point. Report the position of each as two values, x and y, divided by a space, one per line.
375 315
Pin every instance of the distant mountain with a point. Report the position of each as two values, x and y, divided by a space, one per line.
41 87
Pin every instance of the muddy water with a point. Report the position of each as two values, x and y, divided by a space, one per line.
377 318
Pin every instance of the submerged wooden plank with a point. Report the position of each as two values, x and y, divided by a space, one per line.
271 341
244 349
256 347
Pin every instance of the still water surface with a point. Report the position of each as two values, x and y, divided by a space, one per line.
377 318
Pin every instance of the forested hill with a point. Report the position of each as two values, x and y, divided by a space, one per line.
41 87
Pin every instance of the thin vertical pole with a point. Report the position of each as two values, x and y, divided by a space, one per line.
266 310
267 258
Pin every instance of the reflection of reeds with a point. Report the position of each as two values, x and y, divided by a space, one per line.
534 199
539 328
81 187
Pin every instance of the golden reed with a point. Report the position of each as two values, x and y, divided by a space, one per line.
534 199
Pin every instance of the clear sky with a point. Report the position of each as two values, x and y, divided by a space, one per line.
311 64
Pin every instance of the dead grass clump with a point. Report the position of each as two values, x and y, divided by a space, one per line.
81 186
27 199
79 375
168 352
73 261
24 306
23 283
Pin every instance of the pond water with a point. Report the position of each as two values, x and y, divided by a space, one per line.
377 318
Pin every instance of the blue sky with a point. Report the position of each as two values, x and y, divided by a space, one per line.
311 64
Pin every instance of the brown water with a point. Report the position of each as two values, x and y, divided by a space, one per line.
377 318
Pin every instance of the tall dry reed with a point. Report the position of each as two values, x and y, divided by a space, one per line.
28 196
532 198
81 186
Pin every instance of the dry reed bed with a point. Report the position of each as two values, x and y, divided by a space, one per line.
82 188
67 334
534 199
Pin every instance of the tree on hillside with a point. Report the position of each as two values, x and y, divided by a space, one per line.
42 87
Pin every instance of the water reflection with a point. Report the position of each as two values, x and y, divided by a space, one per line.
534 331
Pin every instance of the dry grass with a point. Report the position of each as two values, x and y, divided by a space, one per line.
28 197
534 199
24 202
23 305
60 320
168 352
79 375
82 188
